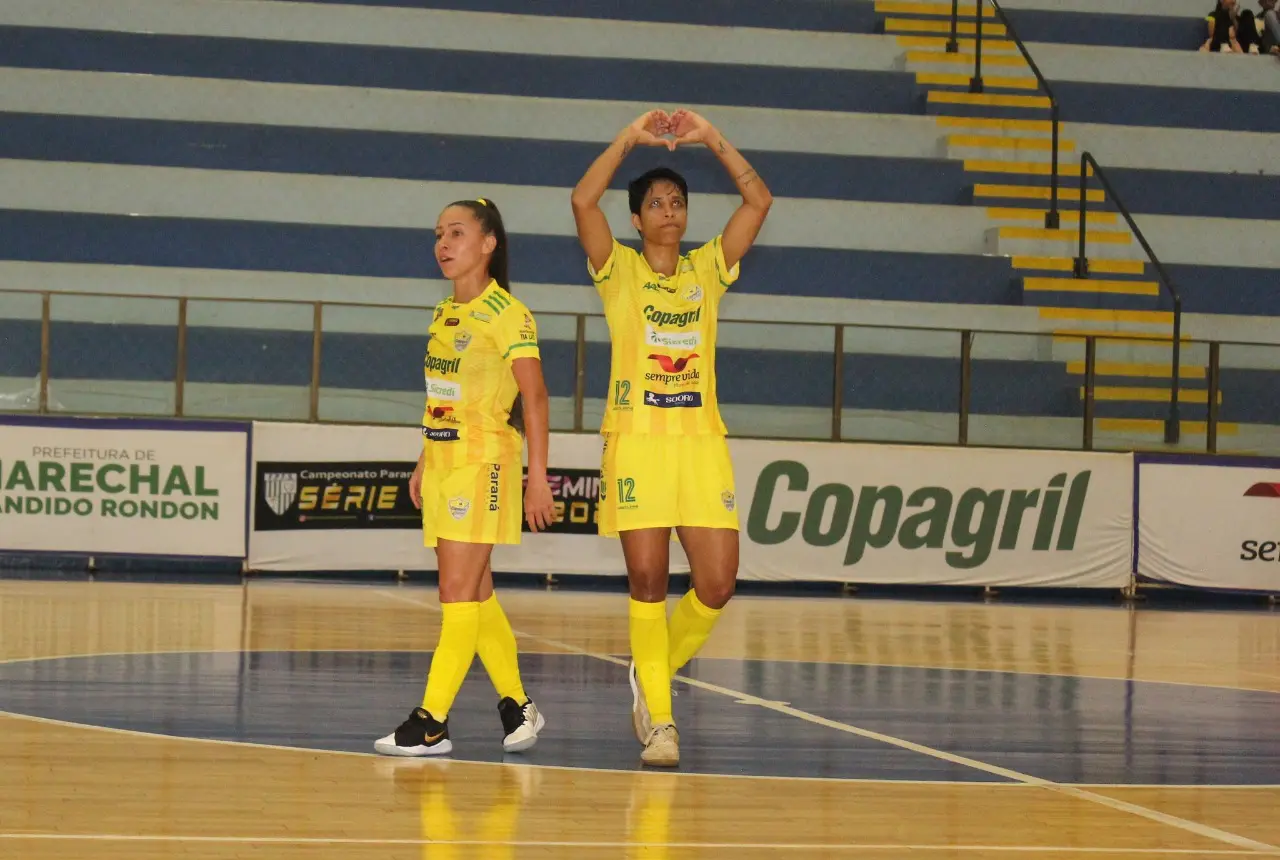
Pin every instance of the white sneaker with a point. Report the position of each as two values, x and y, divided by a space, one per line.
420 735
639 708
520 724
662 748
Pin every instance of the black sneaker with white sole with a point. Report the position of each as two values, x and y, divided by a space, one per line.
420 735
520 724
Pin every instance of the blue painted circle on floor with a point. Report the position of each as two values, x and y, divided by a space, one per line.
1061 728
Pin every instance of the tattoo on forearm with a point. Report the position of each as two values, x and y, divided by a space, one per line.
723 147
747 178
626 148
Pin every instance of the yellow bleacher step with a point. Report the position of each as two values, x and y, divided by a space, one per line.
1067 264
1035 168
961 58
943 10
1101 237
946 79
1148 395
1089 285
1000 125
1075 335
987 99
1156 426
939 44
1010 213
1120 368
967 28
1037 192
1107 315
993 141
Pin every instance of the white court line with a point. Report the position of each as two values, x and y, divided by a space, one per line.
777 846
1041 672
575 768
1203 830
135 733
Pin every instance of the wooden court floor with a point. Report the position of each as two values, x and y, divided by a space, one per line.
227 721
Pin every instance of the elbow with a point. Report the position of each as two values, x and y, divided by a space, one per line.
766 201
581 202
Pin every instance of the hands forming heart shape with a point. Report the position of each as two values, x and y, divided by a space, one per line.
659 128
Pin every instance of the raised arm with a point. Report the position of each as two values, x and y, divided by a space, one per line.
593 227
745 223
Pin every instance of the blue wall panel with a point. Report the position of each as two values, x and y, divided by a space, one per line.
826 16
458 71
19 347
140 353
459 158
406 253
248 356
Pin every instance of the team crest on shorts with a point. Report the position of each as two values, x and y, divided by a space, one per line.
727 498
459 507
462 340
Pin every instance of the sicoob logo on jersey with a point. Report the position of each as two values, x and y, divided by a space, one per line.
683 400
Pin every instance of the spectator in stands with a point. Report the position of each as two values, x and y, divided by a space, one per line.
1232 30
1271 27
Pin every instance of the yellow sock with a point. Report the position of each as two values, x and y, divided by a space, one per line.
649 650
691 625
452 657
497 649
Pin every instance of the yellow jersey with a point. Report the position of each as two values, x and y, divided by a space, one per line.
470 385
663 329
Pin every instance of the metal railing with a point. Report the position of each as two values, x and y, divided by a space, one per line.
1052 218
1173 426
833 427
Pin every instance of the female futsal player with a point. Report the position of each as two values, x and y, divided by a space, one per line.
666 462
482 349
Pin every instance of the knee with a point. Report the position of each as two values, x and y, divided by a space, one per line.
717 593
457 591
647 585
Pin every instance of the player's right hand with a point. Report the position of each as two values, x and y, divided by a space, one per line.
648 129
415 487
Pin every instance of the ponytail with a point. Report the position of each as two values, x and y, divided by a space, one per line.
499 269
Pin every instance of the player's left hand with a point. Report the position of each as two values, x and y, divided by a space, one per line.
539 504
691 127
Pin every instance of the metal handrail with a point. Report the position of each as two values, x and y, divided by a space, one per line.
1173 426
838 353
837 432
1052 218
311 303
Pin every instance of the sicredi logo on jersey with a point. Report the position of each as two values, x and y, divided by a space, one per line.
669 340
441 389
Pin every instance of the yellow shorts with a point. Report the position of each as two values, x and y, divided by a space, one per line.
658 481
473 503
